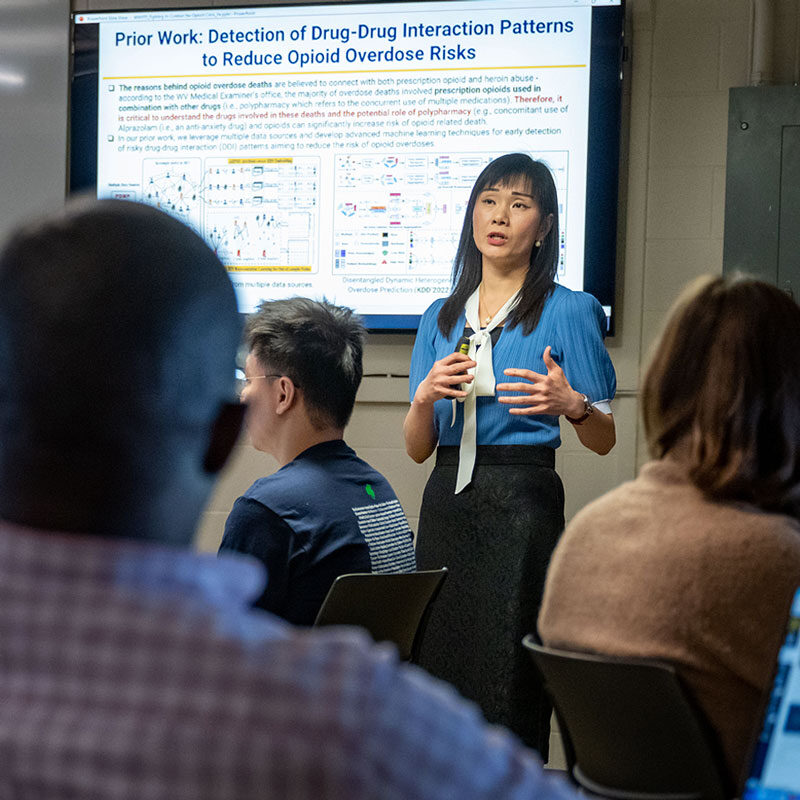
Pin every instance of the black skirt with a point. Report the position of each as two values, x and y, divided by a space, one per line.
496 538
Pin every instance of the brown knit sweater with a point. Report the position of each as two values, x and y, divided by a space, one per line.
653 569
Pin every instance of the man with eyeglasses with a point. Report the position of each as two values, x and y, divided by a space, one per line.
325 512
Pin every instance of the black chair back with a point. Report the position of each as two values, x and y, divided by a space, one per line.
631 731
392 607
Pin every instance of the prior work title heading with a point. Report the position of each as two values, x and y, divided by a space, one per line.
335 36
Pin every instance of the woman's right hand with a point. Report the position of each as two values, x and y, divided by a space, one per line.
445 379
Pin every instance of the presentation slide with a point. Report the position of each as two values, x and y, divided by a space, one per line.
330 150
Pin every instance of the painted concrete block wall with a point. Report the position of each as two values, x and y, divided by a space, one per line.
700 50
684 55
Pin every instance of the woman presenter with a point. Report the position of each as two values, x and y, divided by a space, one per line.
493 508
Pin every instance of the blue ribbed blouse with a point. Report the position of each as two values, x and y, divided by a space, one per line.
572 323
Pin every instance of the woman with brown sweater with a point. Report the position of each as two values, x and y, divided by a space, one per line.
696 561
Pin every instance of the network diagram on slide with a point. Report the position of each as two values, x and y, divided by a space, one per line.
392 213
253 212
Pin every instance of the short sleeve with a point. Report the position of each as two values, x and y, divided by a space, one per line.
583 356
256 530
424 353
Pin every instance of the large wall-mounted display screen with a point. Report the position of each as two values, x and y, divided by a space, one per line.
329 150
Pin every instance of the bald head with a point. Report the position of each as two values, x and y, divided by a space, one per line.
118 334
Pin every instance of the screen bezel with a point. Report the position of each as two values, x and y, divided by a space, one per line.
604 132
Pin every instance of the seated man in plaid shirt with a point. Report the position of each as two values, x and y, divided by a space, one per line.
131 667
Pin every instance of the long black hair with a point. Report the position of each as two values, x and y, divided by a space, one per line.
467 266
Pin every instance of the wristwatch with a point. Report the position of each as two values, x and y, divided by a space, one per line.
588 410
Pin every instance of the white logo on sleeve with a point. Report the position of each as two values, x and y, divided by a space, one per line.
388 536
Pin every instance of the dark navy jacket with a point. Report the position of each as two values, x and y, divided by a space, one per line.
324 514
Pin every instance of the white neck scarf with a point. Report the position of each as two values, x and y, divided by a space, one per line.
480 351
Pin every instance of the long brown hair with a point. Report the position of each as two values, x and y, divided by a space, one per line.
725 383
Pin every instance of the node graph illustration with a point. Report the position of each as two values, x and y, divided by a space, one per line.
400 214
258 214
174 186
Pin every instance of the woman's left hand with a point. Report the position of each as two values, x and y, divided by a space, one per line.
542 394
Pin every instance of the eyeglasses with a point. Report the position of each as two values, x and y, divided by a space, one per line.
243 380
247 380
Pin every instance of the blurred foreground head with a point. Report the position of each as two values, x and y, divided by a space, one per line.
723 391
118 334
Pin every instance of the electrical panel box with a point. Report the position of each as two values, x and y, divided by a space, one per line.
762 192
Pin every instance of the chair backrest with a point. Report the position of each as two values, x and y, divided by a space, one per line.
392 607
631 730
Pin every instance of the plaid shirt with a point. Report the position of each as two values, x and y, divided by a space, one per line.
136 671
